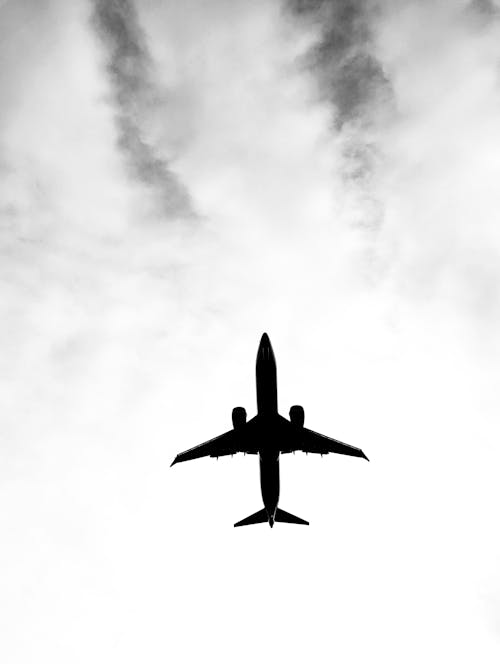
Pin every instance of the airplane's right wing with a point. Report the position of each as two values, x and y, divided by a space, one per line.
231 442
306 440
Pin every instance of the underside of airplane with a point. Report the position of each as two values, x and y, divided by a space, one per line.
268 434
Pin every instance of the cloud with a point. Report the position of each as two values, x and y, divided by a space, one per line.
127 339
351 79
137 101
486 8
413 92
350 75
437 176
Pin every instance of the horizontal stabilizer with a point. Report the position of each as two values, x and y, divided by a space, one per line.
258 517
286 517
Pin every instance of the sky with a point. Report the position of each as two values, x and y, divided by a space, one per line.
178 178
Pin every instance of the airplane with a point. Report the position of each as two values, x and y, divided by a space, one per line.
268 434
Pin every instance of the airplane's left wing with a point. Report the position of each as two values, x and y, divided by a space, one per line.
306 440
231 442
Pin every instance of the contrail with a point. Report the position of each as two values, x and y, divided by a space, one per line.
130 69
350 75
352 80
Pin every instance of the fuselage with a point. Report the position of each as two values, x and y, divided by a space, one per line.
265 373
267 409
268 434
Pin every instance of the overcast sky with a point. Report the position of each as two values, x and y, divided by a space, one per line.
178 178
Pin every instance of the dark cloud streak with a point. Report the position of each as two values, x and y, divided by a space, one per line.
484 7
135 94
349 73
351 79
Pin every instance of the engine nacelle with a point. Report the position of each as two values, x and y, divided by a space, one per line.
239 417
297 416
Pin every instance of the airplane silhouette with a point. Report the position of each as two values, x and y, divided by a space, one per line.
268 434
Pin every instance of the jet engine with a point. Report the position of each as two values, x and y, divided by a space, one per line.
239 417
297 416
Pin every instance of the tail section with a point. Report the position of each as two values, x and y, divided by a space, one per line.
258 517
262 517
286 517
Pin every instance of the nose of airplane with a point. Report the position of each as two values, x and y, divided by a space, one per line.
265 355
265 351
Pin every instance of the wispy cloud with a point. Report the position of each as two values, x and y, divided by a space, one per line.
351 79
344 58
124 342
412 89
137 99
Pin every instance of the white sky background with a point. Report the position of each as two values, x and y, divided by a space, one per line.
178 178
